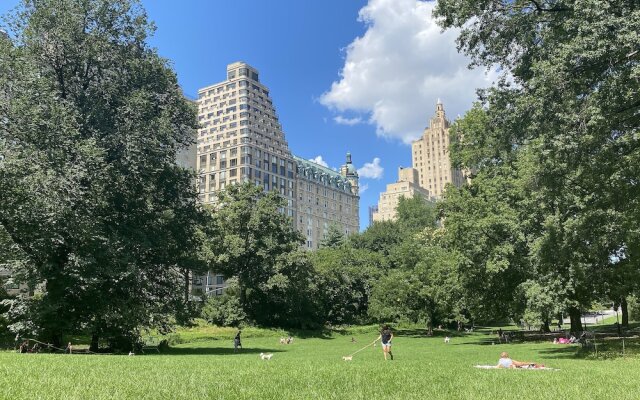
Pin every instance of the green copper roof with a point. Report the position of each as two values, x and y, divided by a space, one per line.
334 176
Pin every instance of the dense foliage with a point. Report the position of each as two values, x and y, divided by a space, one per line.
94 211
554 150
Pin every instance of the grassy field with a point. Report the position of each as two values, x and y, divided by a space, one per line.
312 368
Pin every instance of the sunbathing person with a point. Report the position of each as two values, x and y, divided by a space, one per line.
506 362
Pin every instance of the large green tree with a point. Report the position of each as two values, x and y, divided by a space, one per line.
250 238
92 119
570 95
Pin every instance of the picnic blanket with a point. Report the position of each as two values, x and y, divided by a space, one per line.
525 367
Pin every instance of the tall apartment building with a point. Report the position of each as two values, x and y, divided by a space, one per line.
430 156
325 198
241 140
407 186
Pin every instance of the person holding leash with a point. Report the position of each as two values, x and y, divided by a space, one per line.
385 340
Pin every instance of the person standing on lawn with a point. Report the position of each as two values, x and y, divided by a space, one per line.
236 342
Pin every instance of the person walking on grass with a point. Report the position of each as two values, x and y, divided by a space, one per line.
385 340
236 342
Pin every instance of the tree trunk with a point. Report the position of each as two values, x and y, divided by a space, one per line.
186 285
576 323
95 339
625 312
545 327
560 321
242 295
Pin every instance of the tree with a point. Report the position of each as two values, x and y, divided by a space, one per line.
91 122
334 237
568 98
345 276
252 240
381 237
224 309
415 214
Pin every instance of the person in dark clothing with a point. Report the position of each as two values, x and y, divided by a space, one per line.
385 339
236 342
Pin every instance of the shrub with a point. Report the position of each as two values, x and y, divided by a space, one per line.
223 310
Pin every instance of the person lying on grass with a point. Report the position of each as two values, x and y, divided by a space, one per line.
506 362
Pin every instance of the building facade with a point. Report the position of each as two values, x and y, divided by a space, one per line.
241 140
407 186
325 198
430 156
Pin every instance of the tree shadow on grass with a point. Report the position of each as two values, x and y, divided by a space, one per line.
422 333
212 351
309 334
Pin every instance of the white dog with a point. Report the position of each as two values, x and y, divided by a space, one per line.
447 339
266 356
131 353
347 358
283 340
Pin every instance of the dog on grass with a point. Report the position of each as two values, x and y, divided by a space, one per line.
447 339
347 358
266 356
283 340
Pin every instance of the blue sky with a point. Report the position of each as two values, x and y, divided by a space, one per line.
359 76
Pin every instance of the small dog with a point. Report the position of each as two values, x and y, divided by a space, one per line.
283 340
266 356
131 353
347 358
447 339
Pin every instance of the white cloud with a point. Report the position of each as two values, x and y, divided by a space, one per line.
340 120
371 170
319 160
363 188
401 65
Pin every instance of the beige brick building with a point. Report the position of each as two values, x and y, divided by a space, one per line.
326 197
241 140
430 156
407 186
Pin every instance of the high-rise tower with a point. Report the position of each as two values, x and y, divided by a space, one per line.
240 138
430 155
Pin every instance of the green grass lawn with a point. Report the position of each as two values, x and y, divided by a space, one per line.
424 368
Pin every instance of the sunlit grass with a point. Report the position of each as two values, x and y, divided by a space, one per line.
424 368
